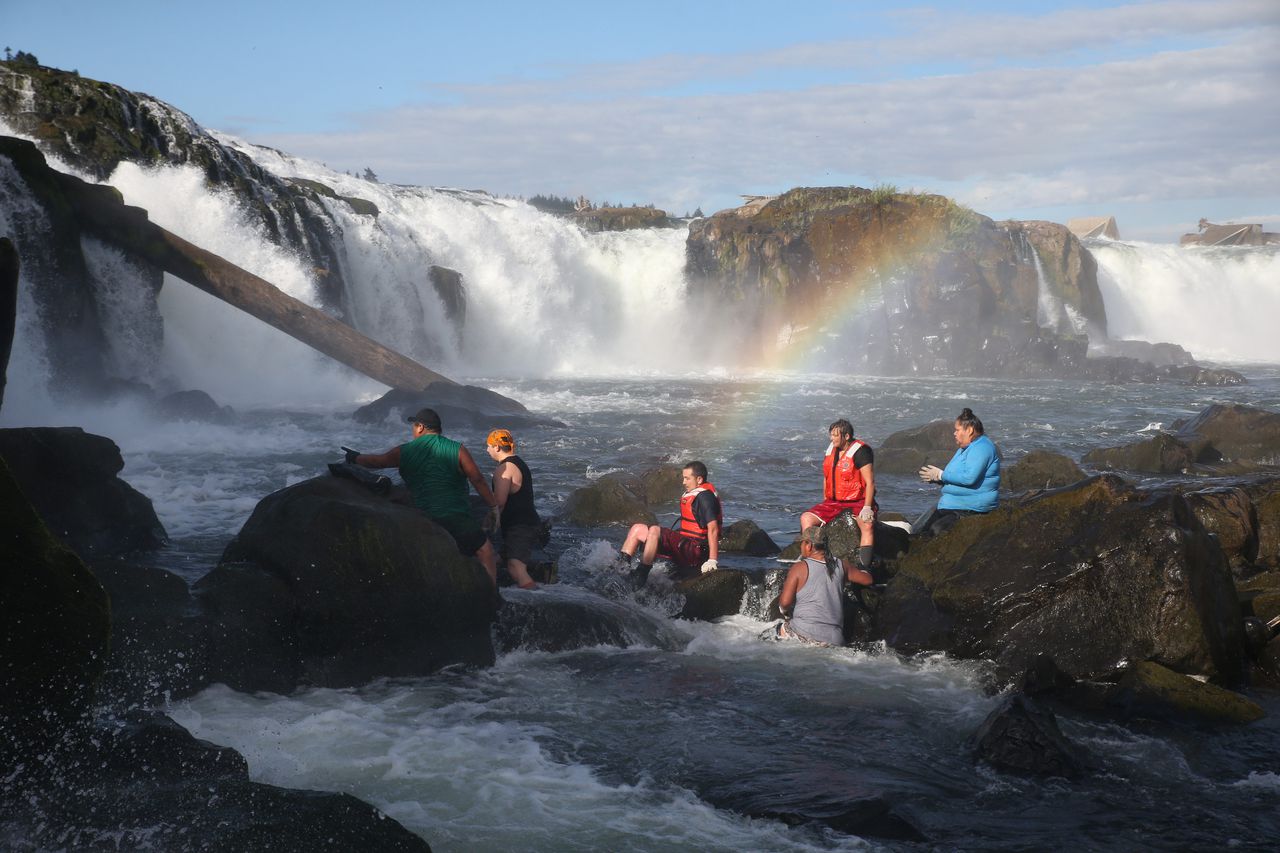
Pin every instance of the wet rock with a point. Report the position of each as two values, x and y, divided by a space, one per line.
329 585
54 626
1266 670
909 450
452 292
1040 469
143 782
819 794
8 306
844 537
714 594
1215 377
1161 454
69 476
1089 574
1237 432
1265 496
1150 690
609 500
1022 736
746 537
1228 514
194 406
661 486
459 406
565 618
158 636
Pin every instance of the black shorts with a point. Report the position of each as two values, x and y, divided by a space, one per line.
519 540
465 532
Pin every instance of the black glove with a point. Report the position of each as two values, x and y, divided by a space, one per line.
351 456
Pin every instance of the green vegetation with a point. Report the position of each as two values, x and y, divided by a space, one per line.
882 194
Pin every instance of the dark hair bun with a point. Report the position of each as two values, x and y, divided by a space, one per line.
966 414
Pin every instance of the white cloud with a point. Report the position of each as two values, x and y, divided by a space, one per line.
1177 124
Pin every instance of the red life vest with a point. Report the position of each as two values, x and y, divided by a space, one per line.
688 521
848 485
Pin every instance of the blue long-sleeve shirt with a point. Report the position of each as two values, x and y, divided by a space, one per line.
971 479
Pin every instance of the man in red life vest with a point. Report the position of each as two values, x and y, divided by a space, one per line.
693 543
848 483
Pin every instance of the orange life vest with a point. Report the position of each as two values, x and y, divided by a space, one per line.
688 521
848 484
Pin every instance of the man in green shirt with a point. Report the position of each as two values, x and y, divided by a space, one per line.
436 470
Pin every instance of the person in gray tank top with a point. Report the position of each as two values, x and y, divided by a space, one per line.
811 601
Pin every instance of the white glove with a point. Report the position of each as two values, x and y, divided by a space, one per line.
931 474
710 566
867 514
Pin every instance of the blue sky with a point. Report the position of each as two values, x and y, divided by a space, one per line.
1157 112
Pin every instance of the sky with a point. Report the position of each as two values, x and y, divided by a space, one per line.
1158 113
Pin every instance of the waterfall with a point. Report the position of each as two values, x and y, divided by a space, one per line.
1219 303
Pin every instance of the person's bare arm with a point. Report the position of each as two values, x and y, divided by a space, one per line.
472 473
390 459
502 485
869 478
796 577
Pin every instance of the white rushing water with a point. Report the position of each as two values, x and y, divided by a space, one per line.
1220 303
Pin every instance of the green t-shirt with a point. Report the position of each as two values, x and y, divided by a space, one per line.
430 468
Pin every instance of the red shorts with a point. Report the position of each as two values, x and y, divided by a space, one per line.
687 553
828 510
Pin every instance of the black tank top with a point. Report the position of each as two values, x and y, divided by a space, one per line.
519 508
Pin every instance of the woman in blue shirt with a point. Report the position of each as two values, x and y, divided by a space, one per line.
971 480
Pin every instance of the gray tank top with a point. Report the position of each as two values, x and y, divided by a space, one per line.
819 610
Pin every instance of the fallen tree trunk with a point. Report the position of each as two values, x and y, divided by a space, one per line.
101 210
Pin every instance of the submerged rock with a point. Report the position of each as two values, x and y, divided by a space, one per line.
194 405
1021 736
715 594
330 585
556 620
1090 574
69 476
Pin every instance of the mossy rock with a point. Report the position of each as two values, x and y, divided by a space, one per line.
54 626
661 486
712 595
361 206
1150 690
1040 469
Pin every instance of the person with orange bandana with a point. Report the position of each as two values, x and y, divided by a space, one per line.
692 543
848 483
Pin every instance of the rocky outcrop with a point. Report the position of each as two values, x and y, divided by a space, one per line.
193 405
908 450
1149 690
1228 514
457 405
612 499
70 477
1222 439
1021 736
54 624
1040 469
621 218
143 782
8 306
566 618
330 585
1160 454
1090 575
746 537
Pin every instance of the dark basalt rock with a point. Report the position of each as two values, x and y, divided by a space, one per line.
1151 691
1237 433
909 450
1161 454
1228 513
715 594
1040 469
1021 736
70 478
1089 574
330 585
194 406
609 500
558 620
54 624
746 537
1265 495
143 782
467 406
9 269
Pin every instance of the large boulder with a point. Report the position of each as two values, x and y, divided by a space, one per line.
1023 737
142 782
1090 575
1040 469
908 450
468 406
715 594
69 476
1163 453
1265 495
54 626
746 537
1147 689
1228 513
609 500
1237 433
328 584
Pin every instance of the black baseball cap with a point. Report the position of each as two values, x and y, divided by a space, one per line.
429 418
